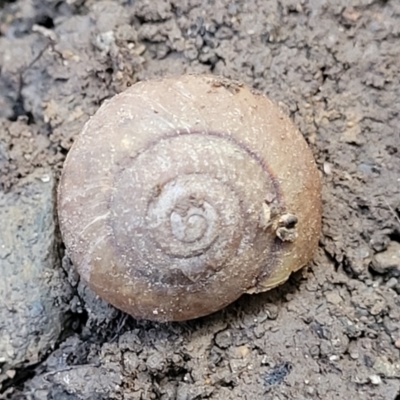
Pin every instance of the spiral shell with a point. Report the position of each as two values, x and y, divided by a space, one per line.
181 194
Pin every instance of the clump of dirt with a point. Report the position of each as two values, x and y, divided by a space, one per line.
333 330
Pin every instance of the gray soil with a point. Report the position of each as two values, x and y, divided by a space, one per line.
333 330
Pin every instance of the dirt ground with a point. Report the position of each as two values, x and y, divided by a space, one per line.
333 330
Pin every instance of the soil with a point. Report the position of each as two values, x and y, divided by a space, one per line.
333 330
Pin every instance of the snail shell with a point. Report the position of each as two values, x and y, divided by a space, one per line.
181 194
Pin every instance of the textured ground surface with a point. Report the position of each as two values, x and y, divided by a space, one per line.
333 330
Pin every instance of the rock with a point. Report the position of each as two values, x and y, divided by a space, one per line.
375 379
33 292
388 261
334 298
392 283
386 368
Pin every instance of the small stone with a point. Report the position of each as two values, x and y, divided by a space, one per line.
354 355
242 351
386 368
334 358
375 379
391 283
11 373
310 390
333 298
388 260
397 343
45 178
327 168
259 331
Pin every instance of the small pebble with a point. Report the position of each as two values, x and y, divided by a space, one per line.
375 379
391 283
45 178
397 343
387 260
354 355
327 168
310 390
242 351
334 298
11 373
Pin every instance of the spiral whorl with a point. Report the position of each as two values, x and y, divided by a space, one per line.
187 217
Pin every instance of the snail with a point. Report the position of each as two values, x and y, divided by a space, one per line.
183 193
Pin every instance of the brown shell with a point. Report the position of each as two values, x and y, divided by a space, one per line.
181 194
